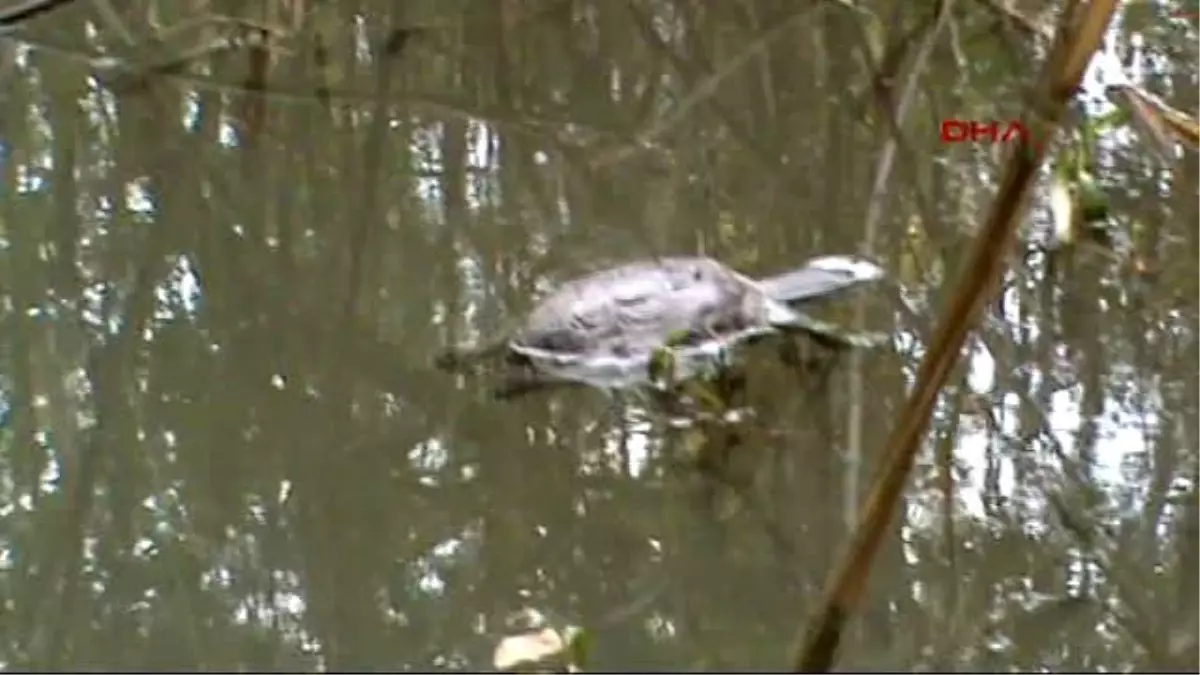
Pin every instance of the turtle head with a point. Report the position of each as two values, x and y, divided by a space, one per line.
849 267
821 277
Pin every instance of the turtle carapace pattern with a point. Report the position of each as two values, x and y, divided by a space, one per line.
604 329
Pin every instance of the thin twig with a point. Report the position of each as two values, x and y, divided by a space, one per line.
1018 19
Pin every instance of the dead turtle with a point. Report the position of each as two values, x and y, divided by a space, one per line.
608 328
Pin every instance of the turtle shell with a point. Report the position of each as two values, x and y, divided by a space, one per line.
603 329
607 328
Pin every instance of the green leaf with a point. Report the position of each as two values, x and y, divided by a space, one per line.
1091 199
579 647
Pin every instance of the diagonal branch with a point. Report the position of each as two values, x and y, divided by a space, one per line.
1079 36
15 14
895 117
704 89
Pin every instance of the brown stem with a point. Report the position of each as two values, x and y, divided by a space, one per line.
1076 43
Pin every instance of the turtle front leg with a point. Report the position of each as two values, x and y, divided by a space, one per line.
834 337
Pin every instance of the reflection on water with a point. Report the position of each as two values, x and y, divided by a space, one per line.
225 445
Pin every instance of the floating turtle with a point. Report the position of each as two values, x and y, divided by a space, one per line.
608 329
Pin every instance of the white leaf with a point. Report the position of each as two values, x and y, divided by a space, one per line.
532 647
1061 212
